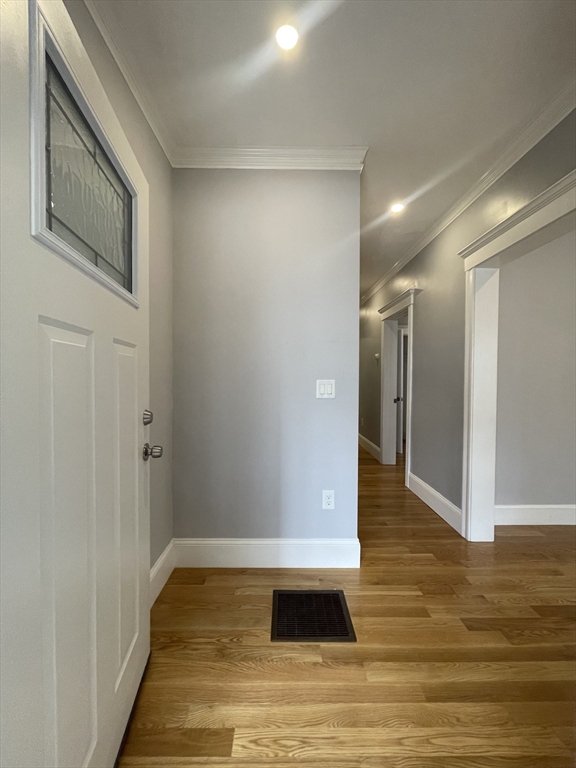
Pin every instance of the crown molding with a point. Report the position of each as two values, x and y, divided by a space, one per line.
534 132
148 110
295 158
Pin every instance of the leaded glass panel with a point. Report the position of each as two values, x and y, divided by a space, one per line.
88 204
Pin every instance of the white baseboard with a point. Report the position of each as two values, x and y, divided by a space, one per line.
267 553
447 511
535 514
369 446
160 571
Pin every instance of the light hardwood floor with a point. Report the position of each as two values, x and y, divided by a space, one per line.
465 655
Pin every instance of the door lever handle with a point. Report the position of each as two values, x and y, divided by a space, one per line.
155 451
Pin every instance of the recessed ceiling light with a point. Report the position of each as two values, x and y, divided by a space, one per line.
397 207
286 37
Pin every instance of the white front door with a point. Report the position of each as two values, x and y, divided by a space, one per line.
75 517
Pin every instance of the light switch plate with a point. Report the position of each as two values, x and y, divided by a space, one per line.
325 388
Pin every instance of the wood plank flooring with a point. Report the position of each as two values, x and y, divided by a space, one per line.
465 655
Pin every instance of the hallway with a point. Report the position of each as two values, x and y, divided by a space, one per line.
464 656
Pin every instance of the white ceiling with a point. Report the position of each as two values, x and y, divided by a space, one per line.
435 88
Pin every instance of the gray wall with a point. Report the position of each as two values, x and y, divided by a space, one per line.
536 423
265 303
438 380
158 173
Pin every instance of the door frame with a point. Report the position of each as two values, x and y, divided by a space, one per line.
549 216
388 376
402 376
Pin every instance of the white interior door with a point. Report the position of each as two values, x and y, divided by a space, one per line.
400 394
75 518
389 358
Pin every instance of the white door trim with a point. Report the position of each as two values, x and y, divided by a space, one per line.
401 302
480 387
543 215
548 216
388 383
402 380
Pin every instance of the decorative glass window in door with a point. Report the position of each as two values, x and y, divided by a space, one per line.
87 203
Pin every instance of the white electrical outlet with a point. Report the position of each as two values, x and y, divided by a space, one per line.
327 499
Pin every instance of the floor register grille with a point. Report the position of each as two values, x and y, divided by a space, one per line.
308 616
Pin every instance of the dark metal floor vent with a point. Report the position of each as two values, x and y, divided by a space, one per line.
311 616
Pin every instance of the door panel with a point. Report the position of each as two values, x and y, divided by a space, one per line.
67 543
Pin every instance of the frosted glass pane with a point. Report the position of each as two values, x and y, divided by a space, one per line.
69 237
87 200
60 94
109 270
